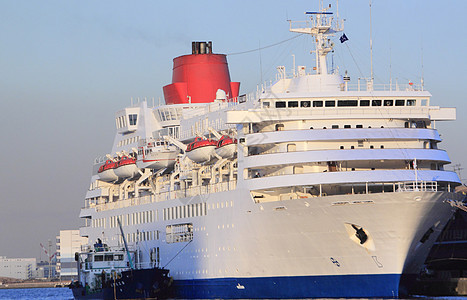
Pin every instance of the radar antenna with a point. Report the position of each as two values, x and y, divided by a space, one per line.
322 27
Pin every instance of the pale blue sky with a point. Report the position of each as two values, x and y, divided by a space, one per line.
67 66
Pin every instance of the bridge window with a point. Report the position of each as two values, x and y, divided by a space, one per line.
293 104
364 102
133 119
411 102
400 102
346 103
98 258
317 103
280 104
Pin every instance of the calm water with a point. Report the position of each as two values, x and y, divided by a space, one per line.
46 293
66 294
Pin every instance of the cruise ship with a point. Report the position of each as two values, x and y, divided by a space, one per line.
311 186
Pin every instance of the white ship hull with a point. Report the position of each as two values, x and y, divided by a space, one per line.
248 250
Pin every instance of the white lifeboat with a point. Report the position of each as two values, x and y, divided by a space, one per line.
226 147
106 171
201 150
126 167
157 155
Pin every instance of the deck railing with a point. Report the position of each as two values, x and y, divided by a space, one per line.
164 195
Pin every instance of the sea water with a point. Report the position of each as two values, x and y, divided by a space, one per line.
39 293
66 294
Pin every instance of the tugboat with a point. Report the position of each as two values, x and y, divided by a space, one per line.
109 273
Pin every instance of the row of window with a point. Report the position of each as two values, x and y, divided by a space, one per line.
136 218
417 124
371 146
169 114
122 121
128 141
108 257
179 233
98 222
150 216
185 211
141 236
344 103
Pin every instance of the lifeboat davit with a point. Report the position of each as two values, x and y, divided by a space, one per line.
157 155
106 171
126 167
201 150
226 147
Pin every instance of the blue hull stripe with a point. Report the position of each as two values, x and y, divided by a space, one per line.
342 286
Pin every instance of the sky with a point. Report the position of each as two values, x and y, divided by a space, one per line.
66 67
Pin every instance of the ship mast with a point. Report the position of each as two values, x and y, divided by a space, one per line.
321 27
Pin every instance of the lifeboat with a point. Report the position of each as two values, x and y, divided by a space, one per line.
106 171
157 155
126 167
201 150
226 147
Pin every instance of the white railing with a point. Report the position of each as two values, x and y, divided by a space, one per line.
383 87
164 196
415 186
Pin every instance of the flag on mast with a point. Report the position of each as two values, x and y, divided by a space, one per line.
343 38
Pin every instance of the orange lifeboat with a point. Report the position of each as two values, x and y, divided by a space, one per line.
126 167
107 171
201 150
226 147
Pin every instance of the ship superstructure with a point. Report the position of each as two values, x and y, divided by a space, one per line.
309 187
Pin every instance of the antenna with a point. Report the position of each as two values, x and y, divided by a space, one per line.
423 75
321 27
457 168
260 63
390 68
371 48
